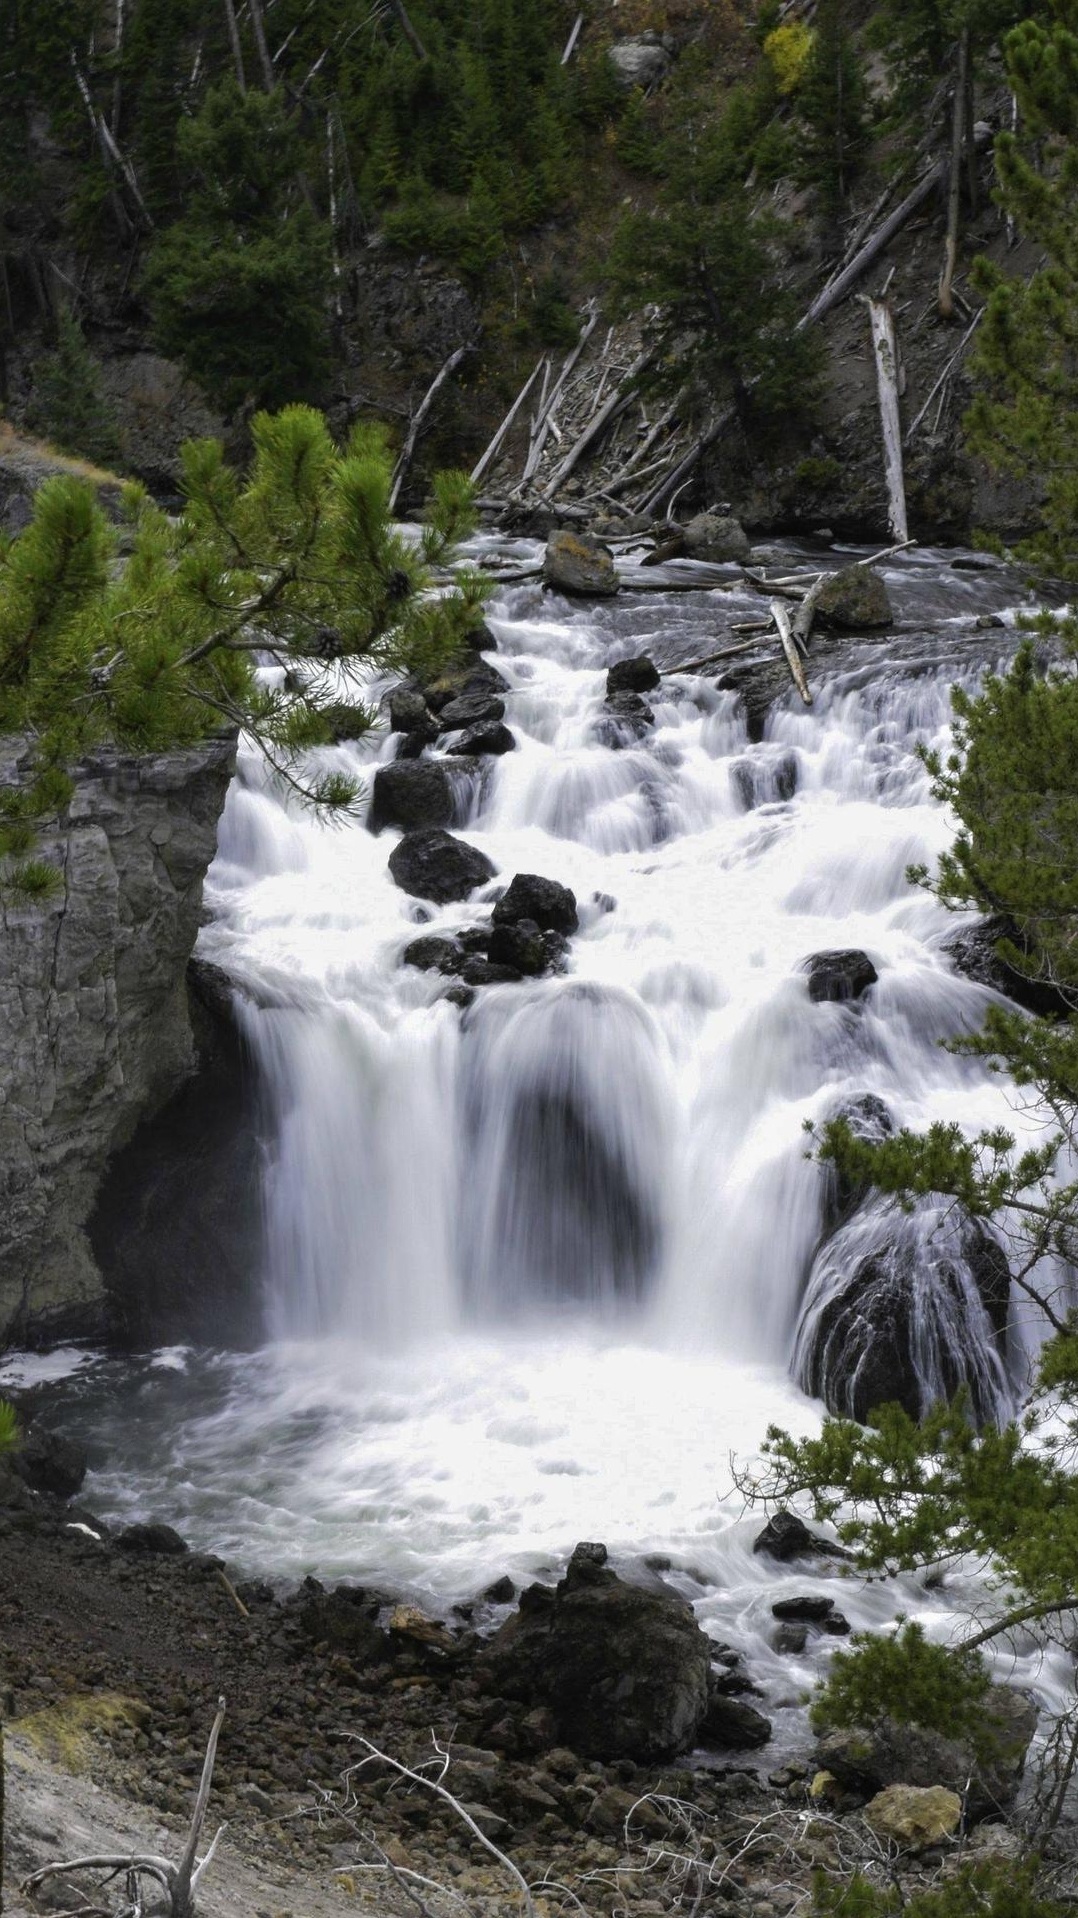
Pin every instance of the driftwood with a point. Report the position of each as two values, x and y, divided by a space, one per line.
407 452
793 658
885 349
485 459
806 612
179 1881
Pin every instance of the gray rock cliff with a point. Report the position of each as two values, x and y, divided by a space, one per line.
94 1026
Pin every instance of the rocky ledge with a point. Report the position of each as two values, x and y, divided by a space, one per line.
94 1025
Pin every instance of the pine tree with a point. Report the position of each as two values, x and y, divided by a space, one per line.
68 406
238 286
831 107
298 563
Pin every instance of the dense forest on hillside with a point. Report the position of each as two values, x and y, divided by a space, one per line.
225 181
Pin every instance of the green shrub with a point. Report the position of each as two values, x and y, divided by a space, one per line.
67 405
907 1678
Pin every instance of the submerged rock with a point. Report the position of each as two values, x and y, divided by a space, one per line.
576 564
639 675
786 1537
854 598
839 975
410 793
434 865
529 896
519 944
623 1672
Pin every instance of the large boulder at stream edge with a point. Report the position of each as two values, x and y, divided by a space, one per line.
854 599
717 538
577 564
434 865
622 1671
47 1462
867 1759
410 793
551 906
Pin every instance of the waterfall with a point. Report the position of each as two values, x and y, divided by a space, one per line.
537 1266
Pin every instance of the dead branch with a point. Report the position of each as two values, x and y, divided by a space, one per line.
715 659
793 658
408 30
258 27
572 40
947 371
179 1881
407 452
433 1785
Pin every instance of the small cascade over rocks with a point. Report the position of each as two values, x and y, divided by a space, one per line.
906 1309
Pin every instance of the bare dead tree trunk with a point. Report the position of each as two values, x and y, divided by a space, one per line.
234 43
954 193
408 30
258 27
885 348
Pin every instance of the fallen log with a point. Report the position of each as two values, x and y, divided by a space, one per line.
485 458
407 452
793 659
715 659
885 349
763 585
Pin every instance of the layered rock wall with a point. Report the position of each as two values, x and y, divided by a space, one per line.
94 1026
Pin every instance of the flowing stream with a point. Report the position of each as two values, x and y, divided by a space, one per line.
535 1271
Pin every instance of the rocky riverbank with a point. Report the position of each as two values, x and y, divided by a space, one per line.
117 1647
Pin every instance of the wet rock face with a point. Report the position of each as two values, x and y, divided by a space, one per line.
623 1672
577 564
94 1026
155 1248
899 1315
434 865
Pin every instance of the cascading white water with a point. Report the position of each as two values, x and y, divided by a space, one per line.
536 1271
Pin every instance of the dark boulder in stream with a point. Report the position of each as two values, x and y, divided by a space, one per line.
639 675
530 896
623 1671
410 793
855 598
434 865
